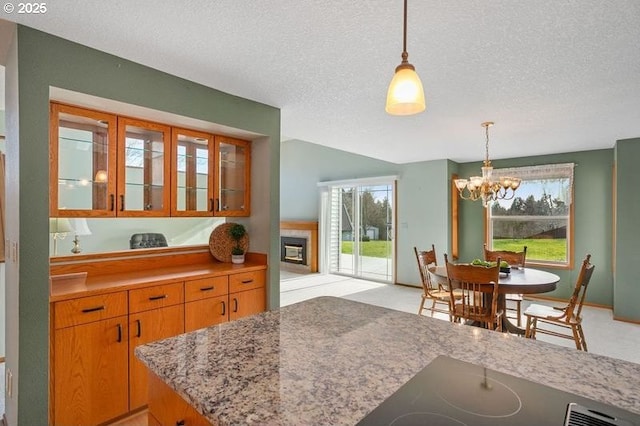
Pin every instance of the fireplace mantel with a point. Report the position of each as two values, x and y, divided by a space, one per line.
308 228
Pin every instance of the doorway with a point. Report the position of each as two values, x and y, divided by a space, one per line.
359 229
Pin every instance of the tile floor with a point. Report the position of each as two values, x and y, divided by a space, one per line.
604 336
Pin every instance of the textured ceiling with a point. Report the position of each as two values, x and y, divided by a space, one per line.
555 75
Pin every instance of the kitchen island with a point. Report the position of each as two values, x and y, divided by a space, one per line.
332 361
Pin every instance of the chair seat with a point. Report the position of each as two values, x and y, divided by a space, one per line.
548 313
439 294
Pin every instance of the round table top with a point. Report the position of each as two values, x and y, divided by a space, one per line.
521 280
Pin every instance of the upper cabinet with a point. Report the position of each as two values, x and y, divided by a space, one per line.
107 165
143 168
192 177
232 190
82 153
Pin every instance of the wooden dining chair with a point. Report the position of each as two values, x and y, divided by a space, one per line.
432 291
565 318
479 299
513 258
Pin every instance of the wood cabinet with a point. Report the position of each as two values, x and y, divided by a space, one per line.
154 313
143 168
233 176
220 299
206 302
192 156
82 166
247 294
168 408
104 165
95 375
90 359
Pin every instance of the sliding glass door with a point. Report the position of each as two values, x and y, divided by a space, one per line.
360 224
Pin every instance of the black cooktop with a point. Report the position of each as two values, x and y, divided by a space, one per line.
453 392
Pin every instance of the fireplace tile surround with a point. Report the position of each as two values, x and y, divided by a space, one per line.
309 231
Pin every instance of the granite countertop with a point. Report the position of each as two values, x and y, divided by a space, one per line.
332 361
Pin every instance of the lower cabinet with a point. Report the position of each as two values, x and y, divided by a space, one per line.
246 294
90 360
206 302
245 303
96 376
168 408
155 313
145 327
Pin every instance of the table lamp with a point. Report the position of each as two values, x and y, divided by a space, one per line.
59 227
81 228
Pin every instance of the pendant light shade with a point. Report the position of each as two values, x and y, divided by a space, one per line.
405 95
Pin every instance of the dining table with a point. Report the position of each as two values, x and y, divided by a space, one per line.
520 280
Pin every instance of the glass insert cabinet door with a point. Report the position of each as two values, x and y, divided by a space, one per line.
192 177
83 162
233 161
143 172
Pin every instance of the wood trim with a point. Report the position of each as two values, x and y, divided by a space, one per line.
118 262
455 202
300 225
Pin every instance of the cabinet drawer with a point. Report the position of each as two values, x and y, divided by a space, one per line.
88 309
246 281
206 288
154 297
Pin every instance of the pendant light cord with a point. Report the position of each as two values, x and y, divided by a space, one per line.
405 55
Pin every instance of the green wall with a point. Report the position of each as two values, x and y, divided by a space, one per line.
422 195
38 61
423 199
304 164
593 219
626 288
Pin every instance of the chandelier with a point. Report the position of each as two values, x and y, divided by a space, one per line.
484 187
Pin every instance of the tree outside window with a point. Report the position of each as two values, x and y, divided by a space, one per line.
539 216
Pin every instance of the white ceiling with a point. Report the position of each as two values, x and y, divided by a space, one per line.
555 75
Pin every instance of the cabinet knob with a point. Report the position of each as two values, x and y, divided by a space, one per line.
180 423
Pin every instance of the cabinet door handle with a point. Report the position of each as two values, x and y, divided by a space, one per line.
113 202
121 203
97 308
139 328
119 333
217 204
180 423
163 296
224 308
206 288
235 305
211 204
247 281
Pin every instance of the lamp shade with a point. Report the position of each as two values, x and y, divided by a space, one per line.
405 95
80 226
59 225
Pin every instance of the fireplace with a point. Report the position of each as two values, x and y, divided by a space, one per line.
293 250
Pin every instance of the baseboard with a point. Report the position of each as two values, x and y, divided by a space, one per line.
565 301
629 320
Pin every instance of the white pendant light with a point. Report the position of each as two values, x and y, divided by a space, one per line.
405 95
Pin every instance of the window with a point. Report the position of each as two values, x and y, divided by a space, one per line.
539 216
